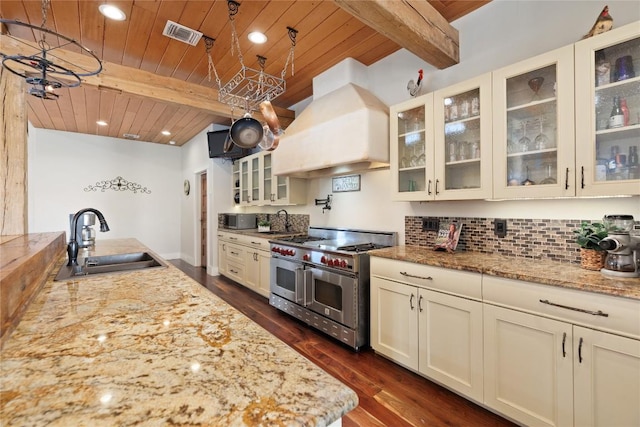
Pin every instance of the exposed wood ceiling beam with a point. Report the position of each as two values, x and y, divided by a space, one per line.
413 24
143 83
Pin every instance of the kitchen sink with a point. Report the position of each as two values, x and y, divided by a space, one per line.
105 264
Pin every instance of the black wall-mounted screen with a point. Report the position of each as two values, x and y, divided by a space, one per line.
216 140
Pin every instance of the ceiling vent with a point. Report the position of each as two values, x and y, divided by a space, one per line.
131 136
181 33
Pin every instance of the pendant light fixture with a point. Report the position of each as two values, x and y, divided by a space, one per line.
44 64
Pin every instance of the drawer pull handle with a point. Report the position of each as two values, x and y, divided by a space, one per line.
255 243
580 350
411 302
564 340
405 274
234 253
581 310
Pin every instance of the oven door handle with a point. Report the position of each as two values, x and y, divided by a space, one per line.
300 285
308 287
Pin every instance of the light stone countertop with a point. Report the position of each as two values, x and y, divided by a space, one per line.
151 348
543 272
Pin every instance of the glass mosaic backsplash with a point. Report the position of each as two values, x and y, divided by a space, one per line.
549 239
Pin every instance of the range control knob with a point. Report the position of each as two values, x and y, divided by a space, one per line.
323 259
291 252
343 263
306 257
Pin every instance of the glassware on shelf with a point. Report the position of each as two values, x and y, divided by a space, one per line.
549 179
524 143
527 181
541 142
535 84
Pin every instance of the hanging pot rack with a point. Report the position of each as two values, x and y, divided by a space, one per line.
249 87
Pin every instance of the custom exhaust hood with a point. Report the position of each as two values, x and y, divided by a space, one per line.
342 131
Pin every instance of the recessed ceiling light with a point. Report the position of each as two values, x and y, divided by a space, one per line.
101 123
172 142
166 132
112 12
257 37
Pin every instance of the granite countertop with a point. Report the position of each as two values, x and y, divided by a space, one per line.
153 347
544 272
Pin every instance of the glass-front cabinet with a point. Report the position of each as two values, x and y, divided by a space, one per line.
254 182
411 156
235 182
462 124
533 127
608 112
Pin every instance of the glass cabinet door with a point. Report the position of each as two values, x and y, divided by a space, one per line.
533 127
608 112
267 181
244 182
412 149
236 182
462 121
255 179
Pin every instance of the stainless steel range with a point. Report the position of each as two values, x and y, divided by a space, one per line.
323 279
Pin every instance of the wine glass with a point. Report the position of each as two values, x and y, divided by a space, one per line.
528 181
535 84
549 179
524 143
541 141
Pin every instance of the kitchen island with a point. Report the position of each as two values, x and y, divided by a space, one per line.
153 347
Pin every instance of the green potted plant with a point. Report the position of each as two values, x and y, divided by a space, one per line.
588 235
264 226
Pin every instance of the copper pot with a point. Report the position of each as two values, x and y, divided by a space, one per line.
270 117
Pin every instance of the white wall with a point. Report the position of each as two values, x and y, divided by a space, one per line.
62 164
195 161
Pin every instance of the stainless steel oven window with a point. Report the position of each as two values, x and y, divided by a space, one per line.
286 279
328 294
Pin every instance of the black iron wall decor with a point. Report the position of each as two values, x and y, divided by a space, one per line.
118 184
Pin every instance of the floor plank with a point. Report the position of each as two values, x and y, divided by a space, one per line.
389 394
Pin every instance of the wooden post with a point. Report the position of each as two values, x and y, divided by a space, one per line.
13 154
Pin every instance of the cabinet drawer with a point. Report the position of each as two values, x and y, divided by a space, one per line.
235 254
256 242
235 272
622 314
454 282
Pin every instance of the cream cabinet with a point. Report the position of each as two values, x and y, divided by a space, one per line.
411 153
608 71
463 140
560 357
425 319
533 127
258 186
245 259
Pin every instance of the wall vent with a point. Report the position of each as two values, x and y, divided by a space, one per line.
130 136
181 33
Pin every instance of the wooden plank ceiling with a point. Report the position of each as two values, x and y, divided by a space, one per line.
326 35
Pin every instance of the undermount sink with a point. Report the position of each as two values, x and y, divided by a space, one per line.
104 264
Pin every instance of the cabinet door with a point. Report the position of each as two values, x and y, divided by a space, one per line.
256 172
245 178
411 153
607 159
450 341
268 183
222 258
264 258
528 370
533 127
463 139
235 183
394 321
607 379
252 270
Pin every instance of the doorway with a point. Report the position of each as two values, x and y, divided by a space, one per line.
203 220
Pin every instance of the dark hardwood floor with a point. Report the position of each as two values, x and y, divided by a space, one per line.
389 394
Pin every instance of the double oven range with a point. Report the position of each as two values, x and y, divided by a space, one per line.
323 279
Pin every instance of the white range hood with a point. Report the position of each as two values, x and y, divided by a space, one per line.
343 131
